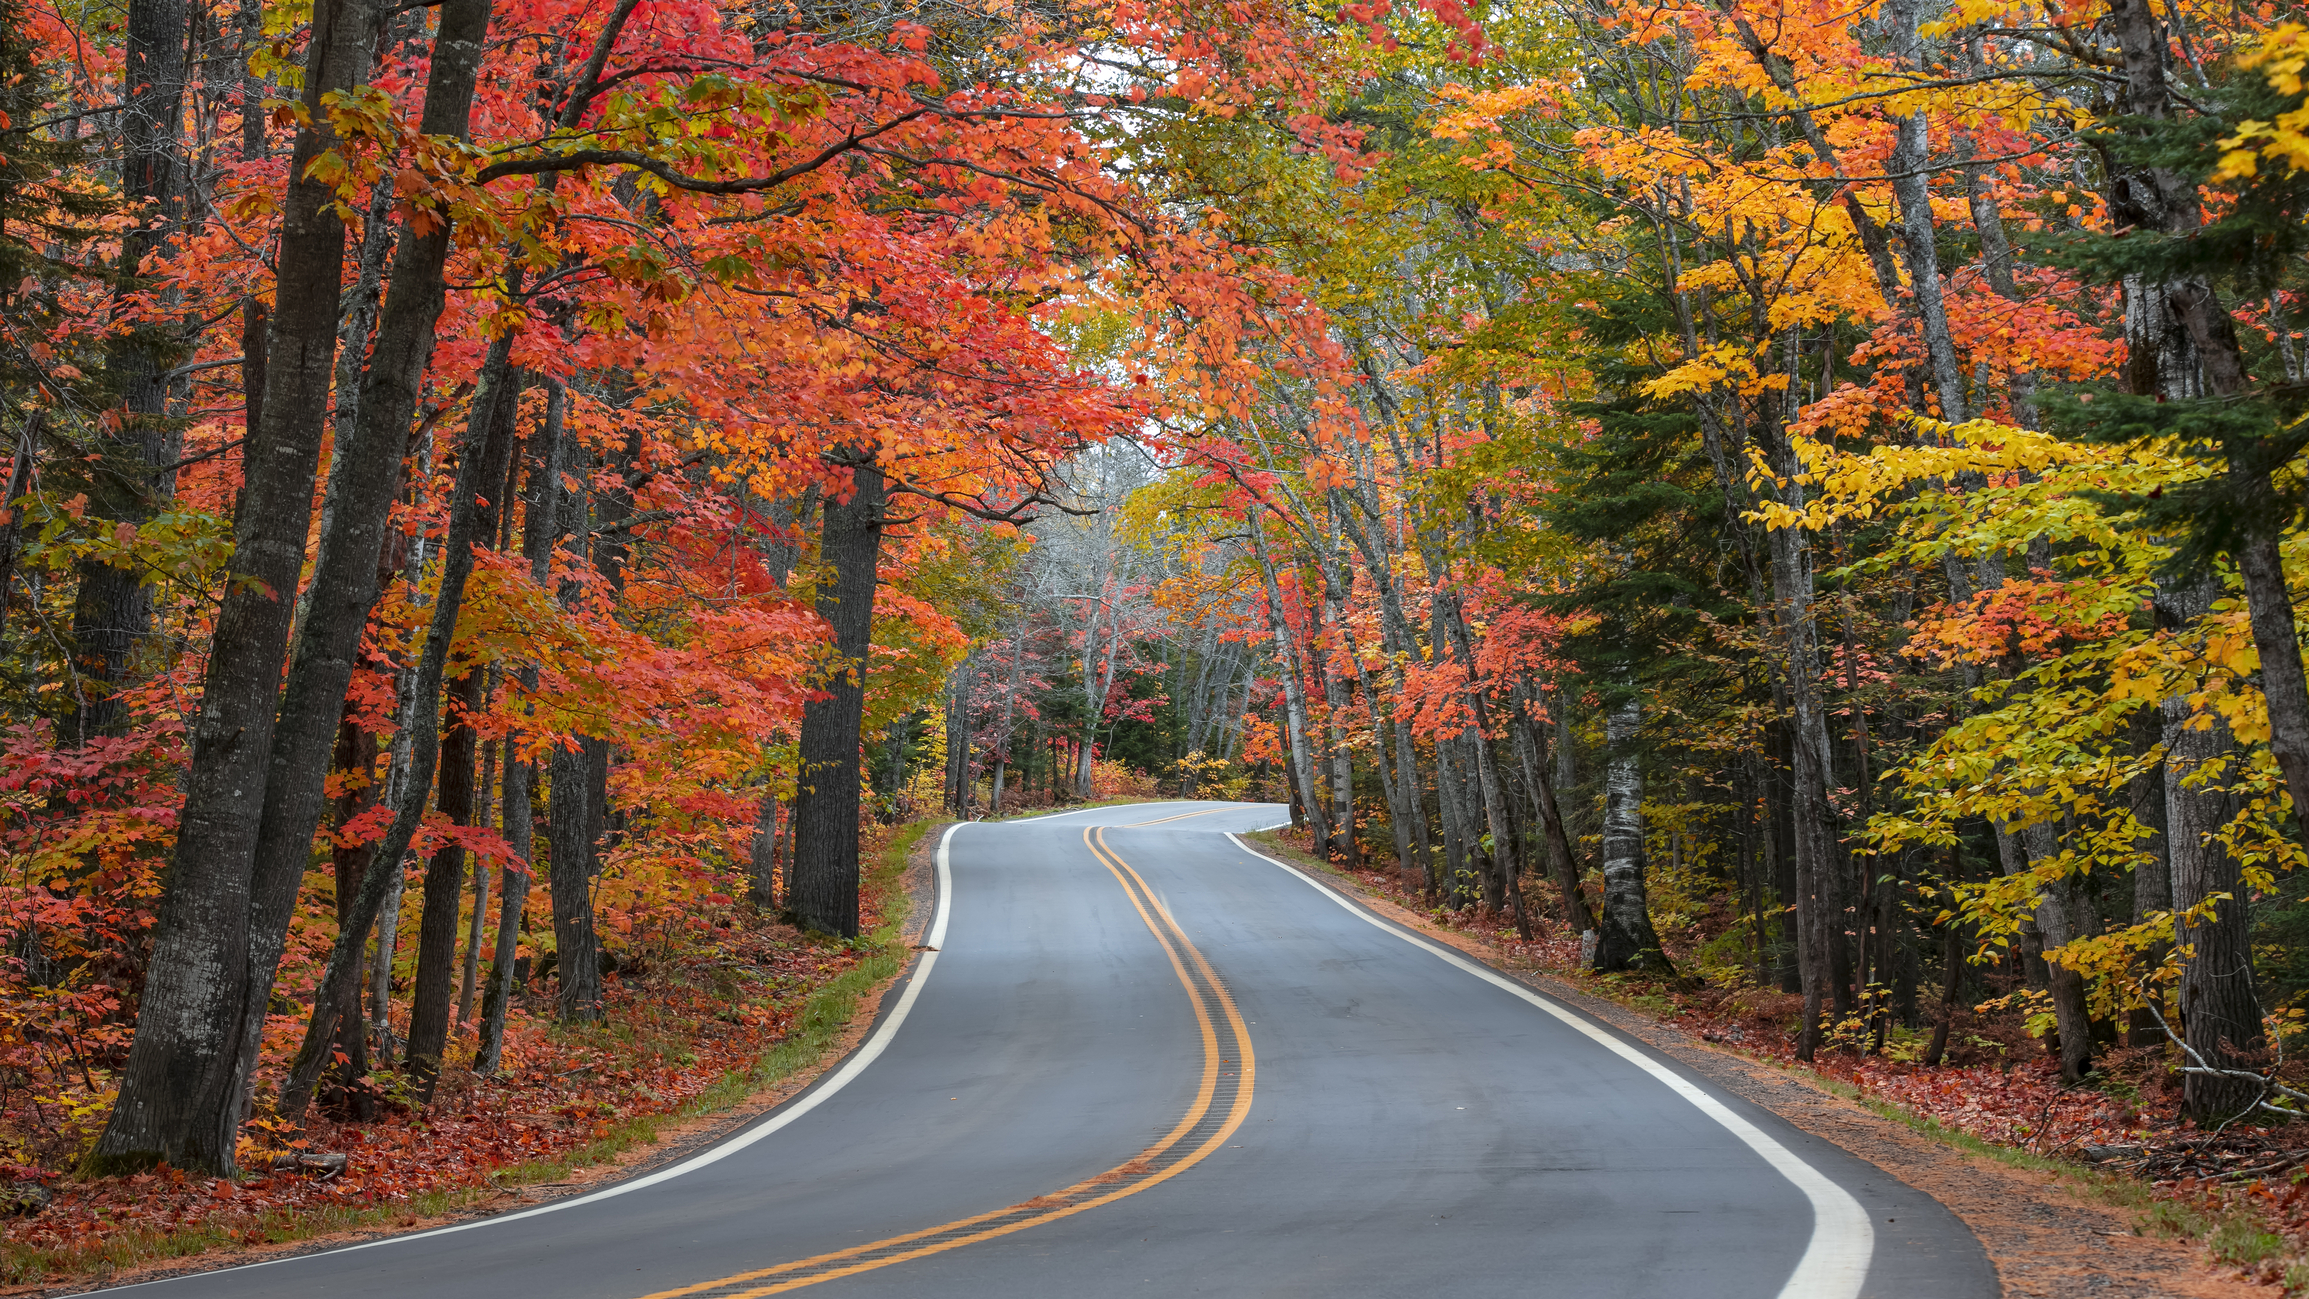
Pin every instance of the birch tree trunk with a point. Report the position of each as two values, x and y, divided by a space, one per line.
1294 703
1624 936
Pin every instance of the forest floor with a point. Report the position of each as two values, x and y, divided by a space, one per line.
2001 1142
734 1018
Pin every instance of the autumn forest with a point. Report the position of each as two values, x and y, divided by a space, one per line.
1793 506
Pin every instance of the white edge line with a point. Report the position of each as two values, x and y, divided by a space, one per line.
1835 1263
843 1077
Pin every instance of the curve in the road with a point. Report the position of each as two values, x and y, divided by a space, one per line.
1221 1103
1414 1131
1835 1262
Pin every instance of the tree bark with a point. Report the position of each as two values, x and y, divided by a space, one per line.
571 829
1561 860
2160 199
445 873
2220 1010
469 974
540 527
1625 939
762 858
1294 701
2061 909
822 893
112 611
362 485
439 919
181 1091
2153 877
1911 186
481 462
348 1091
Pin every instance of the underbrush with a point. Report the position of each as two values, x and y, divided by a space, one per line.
731 1004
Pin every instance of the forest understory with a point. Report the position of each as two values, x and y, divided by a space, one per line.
706 1028
2049 1176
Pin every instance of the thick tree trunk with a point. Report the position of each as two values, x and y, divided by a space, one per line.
572 824
822 893
181 1090
1625 939
2220 1010
2167 201
362 485
2269 606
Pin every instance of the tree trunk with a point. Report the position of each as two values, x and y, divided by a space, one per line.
541 526
570 828
469 976
349 1093
444 892
822 892
1294 701
482 461
1624 938
762 857
445 873
2220 1011
181 1091
1561 861
2167 201
2061 909
1335 696
512 901
125 485
1911 186
2153 877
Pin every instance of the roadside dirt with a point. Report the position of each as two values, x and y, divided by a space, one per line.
2046 1241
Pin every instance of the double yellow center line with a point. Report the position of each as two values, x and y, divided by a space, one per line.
1221 1103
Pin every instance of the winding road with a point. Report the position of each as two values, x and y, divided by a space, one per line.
1145 1060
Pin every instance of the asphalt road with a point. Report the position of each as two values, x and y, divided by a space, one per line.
1145 1060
